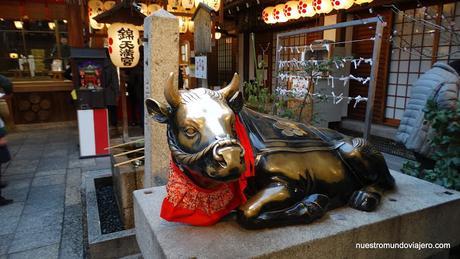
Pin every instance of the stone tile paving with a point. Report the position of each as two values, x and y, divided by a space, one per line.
44 180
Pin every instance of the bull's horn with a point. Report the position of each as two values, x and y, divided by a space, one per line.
171 93
231 88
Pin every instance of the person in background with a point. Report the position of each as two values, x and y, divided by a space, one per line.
6 87
64 49
111 90
441 83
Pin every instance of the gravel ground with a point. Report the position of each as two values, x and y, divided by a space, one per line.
108 210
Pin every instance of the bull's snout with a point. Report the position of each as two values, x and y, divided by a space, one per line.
230 161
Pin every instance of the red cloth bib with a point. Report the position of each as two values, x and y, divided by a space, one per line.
188 203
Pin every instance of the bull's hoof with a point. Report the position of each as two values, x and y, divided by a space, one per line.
365 201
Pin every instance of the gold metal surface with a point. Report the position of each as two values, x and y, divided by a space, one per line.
271 194
298 167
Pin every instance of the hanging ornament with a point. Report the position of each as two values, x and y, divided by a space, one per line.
322 6
182 25
278 13
306 8
188 4
152 8
108 5
214 4
95 7
291 10
123 41
267 15
342 4
363 1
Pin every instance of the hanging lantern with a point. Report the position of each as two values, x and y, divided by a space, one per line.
144 8
306 8
95 7
342 4
197 2
291 10
278 13
191 25
152 8
108 5
188 4
123 44
363 1
267 15
173 5
214 4
182 25
322 6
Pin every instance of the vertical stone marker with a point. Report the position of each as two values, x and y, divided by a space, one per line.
161 57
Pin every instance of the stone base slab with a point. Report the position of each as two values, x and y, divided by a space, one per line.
417 211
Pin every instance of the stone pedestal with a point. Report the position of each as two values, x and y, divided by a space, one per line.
417 211
126 179
161 57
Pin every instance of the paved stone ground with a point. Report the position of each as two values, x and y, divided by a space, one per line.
44 179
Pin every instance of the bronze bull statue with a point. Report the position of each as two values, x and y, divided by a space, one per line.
300 171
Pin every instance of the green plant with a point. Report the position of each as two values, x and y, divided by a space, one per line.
445 141
257 96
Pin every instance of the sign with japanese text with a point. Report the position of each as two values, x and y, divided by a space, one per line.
201 67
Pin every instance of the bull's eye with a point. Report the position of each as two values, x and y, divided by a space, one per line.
190 132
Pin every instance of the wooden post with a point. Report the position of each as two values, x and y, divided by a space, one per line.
203 35
124 107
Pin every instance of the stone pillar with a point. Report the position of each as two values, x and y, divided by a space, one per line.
161 57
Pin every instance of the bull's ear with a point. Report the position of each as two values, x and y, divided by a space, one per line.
157 110
236 102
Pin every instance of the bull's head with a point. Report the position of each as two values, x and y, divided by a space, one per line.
201 131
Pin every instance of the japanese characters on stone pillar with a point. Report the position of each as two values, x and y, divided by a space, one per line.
161 56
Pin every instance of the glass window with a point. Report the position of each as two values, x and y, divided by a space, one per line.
32 50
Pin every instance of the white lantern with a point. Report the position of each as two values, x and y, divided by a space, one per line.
278 13
197 2
342 4
144 8
267 15
291 10
123 44
182 25
173 5
188 4
108 5
214 4
95 7
217 35
153 8
322 6
363 1
306 8
191 25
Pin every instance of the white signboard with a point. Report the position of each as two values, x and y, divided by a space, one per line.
201 67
